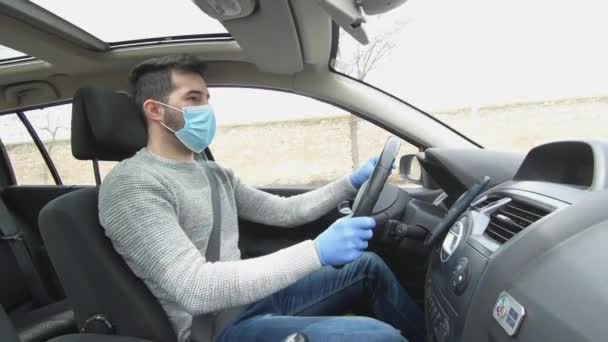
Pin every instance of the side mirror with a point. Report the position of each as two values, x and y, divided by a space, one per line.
409 168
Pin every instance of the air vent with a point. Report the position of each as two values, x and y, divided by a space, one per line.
487 201
511 219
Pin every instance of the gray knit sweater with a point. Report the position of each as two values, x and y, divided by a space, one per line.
158 215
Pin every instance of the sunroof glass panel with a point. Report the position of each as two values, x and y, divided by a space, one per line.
120 20
8 53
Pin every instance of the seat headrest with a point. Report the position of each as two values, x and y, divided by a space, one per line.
106 125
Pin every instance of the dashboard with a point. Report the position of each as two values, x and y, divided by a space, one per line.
494 275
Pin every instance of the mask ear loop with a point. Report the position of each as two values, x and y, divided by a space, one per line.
169 106
167 127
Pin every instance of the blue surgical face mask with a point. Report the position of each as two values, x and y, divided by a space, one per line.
199 127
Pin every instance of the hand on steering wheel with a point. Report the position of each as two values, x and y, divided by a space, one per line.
345 240
370 191
362 174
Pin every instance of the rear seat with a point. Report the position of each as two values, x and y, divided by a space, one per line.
44 323
35 319
8 334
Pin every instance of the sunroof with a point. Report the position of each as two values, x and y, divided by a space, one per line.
122 20
8 53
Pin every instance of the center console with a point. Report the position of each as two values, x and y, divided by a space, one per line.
455 268
458 263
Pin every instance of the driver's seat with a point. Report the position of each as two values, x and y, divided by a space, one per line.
107 297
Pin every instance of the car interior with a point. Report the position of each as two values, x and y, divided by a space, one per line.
493 245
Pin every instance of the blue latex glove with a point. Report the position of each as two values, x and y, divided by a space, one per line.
362 174
345 240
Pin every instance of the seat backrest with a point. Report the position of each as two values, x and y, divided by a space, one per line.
96 279
106 125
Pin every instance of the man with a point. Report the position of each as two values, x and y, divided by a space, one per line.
156 208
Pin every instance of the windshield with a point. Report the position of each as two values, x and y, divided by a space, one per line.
508 74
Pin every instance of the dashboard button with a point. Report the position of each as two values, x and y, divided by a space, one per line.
461 275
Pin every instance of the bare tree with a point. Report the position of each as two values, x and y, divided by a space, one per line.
52 130
363 60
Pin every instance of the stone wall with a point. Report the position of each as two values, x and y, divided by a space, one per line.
302 152
518 127
30 168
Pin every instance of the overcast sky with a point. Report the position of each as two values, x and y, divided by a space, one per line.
454 53
451 53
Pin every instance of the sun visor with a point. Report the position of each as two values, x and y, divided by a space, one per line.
268 37
30 92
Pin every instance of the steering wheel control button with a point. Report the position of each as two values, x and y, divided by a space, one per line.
508 313
461 275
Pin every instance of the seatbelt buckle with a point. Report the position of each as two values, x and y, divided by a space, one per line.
13 237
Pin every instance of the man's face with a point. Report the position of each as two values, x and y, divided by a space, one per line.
190 89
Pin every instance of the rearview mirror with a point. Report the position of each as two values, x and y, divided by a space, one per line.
409 168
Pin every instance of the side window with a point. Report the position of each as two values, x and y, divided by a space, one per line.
52 125
273 138
27 162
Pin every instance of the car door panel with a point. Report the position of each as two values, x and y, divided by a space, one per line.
257 239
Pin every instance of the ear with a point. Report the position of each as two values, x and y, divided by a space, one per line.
153 111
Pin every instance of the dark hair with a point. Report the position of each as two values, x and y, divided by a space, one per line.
151 79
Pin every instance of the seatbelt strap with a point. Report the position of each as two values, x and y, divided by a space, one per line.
10 232
213 247
202 325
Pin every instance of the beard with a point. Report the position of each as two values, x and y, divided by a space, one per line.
173 119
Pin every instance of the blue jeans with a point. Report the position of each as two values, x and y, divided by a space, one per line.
313 305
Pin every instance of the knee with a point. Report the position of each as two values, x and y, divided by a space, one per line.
373 329
353 329
389 336
372 260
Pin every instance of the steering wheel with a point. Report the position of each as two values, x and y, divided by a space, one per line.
370 191
457 209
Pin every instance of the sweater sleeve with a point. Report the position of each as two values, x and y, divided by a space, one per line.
261 207
139 217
